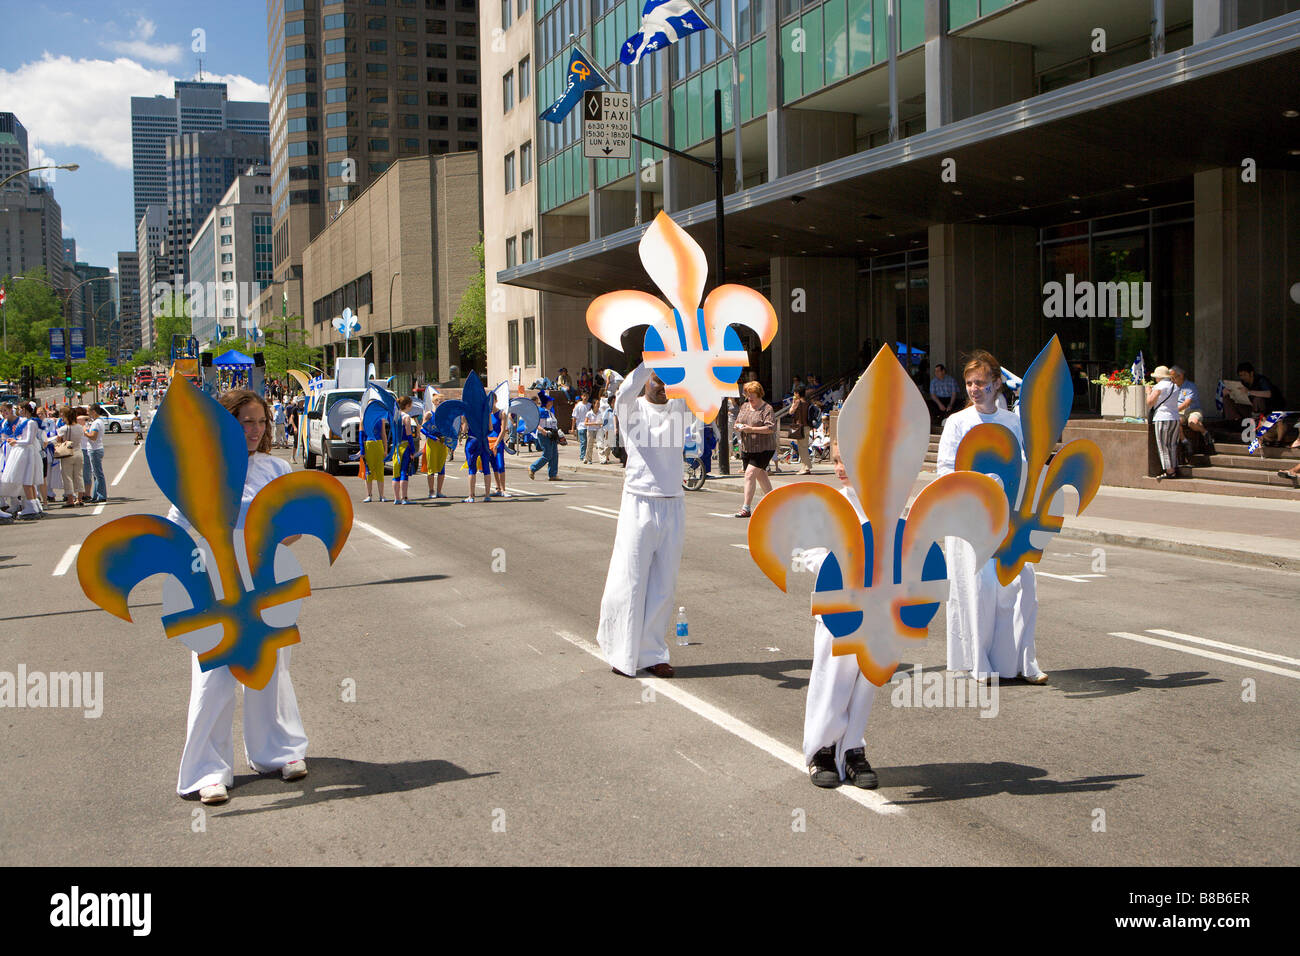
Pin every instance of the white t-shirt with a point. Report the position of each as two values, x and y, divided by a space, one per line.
262 470
73 433
958 424
1166 406
654 437
93 433
580 415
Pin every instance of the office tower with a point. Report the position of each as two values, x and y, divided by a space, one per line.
128 299
230 257
31 222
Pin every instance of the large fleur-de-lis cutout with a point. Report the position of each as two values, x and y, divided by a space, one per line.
1034 494
472 406
378 404
882 581
693 349
198 458
347 324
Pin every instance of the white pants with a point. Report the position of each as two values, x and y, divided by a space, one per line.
990 627
273 732
839 701
638 600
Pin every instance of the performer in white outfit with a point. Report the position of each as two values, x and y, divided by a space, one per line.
839 697
638 599
274 738
990 627
22 468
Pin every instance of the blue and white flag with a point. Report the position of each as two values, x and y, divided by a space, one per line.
1139 370
1262 428
582 76
663 22
1218 396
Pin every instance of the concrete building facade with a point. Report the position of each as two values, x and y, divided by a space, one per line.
230 258
400 256
128 299
31 220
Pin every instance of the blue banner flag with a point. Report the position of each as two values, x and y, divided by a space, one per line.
57 349
663 22
582 76
77 336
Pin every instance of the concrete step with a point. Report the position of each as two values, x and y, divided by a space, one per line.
1236 449
1246 462
1211 486
1247 476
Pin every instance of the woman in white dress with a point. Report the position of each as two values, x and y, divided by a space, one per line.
990 626
274 738
22 468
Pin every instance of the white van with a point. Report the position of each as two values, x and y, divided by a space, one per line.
330 447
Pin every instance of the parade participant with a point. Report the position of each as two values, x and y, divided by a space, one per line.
497 459
642 578
434 459
990 626
548 436
137 426
372 458
478 459
404 452
22 467
839 696
274 738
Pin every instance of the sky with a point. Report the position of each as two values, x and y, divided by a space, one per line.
69 68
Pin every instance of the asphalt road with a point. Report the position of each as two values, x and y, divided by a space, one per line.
484 731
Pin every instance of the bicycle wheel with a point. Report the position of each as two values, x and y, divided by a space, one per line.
693 475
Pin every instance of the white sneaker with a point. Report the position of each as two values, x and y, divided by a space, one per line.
431 495
440 495
365 500
506 494
469 501
382 498
294 770
214 794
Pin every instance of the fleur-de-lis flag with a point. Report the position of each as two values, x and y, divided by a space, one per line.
1035 498
198 457
693 349
882 581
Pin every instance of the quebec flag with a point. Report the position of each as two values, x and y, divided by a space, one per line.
663 22
582 76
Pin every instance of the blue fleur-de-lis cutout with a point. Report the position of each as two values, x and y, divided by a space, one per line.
1031 484
472 405
198 457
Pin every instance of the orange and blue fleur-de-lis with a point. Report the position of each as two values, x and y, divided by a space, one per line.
199 459
882 580
693 349
1033 487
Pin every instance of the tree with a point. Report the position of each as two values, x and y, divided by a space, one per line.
171 318
144 357
469 325
31 309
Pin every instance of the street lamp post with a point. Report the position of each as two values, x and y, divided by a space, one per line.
66 300
392 366
70 167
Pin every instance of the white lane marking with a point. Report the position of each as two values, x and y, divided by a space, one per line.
454 621
539 653
99 510
715 514
752 735
382 535
742 546
1222 646
1076 578
608 511
129 458
521 491
690 761
65 562
1143 639
592 511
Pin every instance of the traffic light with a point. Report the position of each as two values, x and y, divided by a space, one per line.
67 377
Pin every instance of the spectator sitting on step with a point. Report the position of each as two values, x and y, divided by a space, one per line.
1259 393
943 392
1189 408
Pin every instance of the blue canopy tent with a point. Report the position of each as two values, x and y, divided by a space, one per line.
233 359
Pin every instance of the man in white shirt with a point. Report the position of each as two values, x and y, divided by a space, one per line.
642 579
277 420
580 423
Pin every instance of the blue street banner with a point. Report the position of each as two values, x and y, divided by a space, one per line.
112 360
663 23
78 337
582 76
125 358
58 351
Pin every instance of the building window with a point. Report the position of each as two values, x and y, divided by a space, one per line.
228 240
527 246
530 342
339 71
408 145
340 45
467 101
407 48
408 99
512 335
512 257
340 21
507 11
339 144
467 145
436 74
406 74
296 101
523 7
436 27
435 51
466 53
467 124
378 145
340 94
300 51
510 172
438 122
227 258
302 149
227 220
508 91
404 24
438 146
376 69
526 163
376 23
465 77
337 119
525 78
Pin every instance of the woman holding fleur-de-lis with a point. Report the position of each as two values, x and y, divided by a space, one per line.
990 626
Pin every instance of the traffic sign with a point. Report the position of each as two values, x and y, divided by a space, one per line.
606 125
68 393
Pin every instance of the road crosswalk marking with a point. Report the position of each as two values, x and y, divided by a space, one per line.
65 562
1212 655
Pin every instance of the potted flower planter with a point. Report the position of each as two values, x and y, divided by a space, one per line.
1128 402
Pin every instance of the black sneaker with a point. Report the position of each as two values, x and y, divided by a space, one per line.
822 770
858 771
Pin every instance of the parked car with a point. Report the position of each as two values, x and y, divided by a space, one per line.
119 419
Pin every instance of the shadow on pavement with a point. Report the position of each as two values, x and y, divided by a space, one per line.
1111 681
334 778
416 579
938 782
771 670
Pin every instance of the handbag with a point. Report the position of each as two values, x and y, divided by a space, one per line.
63 448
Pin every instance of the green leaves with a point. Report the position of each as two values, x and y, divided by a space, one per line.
470 323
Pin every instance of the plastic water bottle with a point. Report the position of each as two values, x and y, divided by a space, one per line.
683 632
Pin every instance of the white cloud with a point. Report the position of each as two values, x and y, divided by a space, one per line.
142 49
87 103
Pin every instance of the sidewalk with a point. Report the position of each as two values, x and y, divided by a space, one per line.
1254 531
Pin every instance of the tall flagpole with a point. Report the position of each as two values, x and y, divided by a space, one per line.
636 128
735 83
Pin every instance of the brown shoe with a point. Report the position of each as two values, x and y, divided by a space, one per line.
662 670
619 672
